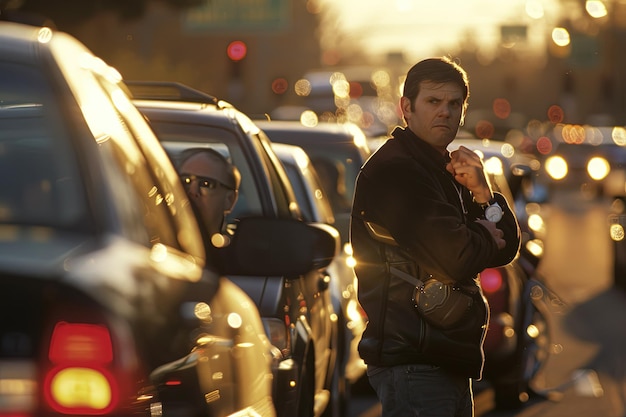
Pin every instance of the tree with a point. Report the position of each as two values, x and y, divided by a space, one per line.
67 14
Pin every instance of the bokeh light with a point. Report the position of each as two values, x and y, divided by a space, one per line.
237 50
309 118
573 134
555 114
501 108
556 167
484 129
544 145
595 8
560 36
618 135
617 232
598 168
534 9
356 89
302 87
280 85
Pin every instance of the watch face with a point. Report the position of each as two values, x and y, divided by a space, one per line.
493 213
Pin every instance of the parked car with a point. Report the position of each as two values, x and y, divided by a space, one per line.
351 317
109 306
296 308
516 344
337 152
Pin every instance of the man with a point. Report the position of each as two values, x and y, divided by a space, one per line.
420 212
212 184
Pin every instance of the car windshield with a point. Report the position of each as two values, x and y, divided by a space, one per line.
38 172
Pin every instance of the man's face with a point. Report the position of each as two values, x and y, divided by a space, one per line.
211 198
437 113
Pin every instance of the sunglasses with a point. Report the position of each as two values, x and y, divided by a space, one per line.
204 183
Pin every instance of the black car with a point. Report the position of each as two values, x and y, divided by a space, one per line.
296 308
108 304
343 283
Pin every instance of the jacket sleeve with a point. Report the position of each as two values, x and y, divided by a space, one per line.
413 206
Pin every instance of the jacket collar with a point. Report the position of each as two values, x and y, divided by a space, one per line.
419 149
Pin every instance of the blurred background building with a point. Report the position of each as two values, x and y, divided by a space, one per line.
567 67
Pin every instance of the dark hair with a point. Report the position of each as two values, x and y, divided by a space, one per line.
438 70
234 177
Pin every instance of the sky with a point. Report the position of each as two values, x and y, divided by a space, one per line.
419 28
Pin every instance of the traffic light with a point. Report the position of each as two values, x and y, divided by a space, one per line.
236 52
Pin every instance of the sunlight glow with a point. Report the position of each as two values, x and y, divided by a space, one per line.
44 35
493 165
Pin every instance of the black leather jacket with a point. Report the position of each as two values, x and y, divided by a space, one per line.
405 188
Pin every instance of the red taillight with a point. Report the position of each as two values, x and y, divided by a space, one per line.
80 381
81 343
491 280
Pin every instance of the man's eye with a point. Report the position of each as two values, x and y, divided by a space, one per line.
206 184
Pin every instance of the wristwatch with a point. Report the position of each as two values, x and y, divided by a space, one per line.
493 211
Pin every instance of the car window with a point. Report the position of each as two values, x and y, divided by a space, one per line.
259 193
337 166
309 201
285 199
299 188
39 181
176 137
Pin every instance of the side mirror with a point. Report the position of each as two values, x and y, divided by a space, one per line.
285 247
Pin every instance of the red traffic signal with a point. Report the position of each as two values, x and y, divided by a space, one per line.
236 50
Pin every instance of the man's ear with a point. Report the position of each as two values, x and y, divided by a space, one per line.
230 200
405 105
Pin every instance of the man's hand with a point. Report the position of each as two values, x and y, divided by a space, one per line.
497 234
468 170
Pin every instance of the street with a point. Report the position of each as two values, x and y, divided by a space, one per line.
585 374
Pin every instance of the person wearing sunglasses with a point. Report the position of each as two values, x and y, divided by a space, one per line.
212 184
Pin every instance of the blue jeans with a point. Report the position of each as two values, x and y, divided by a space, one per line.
421 391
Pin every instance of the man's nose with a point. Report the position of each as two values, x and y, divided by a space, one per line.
193 189
445 110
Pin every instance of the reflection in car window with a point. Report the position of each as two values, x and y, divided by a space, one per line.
39 184
147 218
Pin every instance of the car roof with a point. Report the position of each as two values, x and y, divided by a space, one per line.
321 132
17 40
288 152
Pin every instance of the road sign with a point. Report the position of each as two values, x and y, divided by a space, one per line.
238 15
